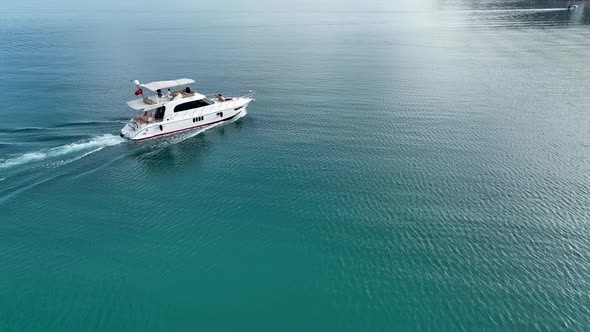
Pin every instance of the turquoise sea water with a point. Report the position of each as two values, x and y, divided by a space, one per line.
405 166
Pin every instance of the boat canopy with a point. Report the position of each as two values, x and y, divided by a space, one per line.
154 86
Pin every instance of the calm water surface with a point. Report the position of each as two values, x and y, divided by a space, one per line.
419 165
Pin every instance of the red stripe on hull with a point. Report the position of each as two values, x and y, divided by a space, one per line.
179 130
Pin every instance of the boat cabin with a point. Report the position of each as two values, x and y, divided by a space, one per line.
163 100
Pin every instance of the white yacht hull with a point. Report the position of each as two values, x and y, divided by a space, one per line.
186 120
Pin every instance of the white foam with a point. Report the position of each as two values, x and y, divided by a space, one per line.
22 159
67 161
95 144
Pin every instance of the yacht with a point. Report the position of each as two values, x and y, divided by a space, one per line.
167 112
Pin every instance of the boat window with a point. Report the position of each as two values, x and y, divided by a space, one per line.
160 113
191 105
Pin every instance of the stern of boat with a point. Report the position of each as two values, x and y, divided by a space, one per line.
130 129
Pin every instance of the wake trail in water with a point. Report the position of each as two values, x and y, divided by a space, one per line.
65 154
84 147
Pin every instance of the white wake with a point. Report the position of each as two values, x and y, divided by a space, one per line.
84 148
78 150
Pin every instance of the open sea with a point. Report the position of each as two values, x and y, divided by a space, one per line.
407 165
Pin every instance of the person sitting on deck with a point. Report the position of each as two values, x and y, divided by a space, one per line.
143 119
187 92
221 97
182 93
159 92
169 95
148 101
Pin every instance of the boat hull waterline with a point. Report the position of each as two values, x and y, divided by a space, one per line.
179 111
190 119
184 129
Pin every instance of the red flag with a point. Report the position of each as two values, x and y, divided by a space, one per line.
138 92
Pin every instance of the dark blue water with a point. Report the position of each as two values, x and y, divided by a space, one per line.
405 166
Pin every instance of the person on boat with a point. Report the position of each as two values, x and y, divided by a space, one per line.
169 95
148 101
159 93
144 118
221 97
187 90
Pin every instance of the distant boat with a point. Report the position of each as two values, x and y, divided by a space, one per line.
178 110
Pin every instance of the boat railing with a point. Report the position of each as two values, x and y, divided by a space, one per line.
232 103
